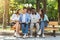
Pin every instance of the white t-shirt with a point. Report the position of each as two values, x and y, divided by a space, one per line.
35 18
15 17
23 18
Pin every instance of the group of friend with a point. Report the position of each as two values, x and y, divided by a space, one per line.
27 19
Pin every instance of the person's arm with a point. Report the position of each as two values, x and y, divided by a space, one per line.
12 18
28 18
38 16
46 17
20 20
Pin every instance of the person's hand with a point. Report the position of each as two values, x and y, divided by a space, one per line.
47 21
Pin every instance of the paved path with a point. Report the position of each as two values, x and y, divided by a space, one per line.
14 38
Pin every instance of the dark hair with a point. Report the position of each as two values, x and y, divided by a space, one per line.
28 9
24 8
32 8
42 15
17 11
41 11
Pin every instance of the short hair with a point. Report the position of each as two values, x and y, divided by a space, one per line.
24 8
28 9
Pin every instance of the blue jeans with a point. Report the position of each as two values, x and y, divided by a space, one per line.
42 25
24 28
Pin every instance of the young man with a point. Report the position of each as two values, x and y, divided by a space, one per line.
34 21
24 20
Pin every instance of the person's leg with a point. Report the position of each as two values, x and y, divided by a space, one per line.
31 29
37 26
38 29
14 28
26 29
17 27
43 24
42 28
23 28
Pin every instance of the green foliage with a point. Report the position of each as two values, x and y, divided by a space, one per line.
52 7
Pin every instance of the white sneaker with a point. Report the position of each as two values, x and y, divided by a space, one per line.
37 35
17 35
39 32
43 35
31 36
24 36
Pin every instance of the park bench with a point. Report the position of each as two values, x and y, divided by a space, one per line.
52 26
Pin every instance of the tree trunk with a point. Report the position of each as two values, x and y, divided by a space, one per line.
8 16
59 12
37 5
44 5
5 13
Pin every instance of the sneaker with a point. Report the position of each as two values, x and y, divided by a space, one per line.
31 36
43 35
39 32
37 35
24 36
16 35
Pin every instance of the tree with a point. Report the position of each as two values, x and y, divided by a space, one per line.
37 5
52 10
59 12
1 11
44 5
5 13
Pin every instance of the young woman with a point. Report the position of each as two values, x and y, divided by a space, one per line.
15 22
43 22
24 20
34 21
